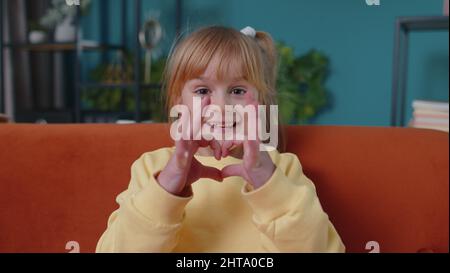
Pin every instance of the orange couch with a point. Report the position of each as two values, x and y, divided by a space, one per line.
390 185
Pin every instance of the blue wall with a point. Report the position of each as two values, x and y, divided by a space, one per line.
357 38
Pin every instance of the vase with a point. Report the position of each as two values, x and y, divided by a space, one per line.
65 31
37 36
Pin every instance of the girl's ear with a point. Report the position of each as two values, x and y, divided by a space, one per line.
178 100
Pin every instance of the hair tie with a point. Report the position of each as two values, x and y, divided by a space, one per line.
249 31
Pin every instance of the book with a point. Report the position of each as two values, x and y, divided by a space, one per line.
441 121
431 105
428 126
430 115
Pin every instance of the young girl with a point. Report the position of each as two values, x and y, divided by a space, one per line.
220 196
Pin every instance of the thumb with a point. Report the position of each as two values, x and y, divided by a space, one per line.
211 173
232 170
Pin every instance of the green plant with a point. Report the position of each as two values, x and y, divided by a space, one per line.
300 84
35 26
116 99
59 9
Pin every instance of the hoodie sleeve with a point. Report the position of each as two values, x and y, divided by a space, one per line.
288 213
149 218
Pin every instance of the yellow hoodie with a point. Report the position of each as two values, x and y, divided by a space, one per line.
284 215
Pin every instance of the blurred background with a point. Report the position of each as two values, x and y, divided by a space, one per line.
354 62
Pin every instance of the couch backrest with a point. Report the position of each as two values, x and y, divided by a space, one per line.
390 185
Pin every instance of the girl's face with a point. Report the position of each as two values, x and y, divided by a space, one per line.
232 90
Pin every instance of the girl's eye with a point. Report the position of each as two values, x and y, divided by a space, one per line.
202 91
238 91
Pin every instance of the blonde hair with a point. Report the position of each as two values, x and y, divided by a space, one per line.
255 58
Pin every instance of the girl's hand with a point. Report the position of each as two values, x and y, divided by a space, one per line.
183 169
257 166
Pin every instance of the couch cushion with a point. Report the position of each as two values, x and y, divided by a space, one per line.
59 182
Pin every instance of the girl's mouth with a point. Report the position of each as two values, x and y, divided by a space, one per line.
223 130
223 125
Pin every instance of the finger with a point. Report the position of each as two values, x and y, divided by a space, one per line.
232 170
183 123
213 144
211 173
197 119
251 153
228 145
181 146
183 154
250 119
206 100
255 119
217 149
251 100
202 143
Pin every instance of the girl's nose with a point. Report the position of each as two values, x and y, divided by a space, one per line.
219 99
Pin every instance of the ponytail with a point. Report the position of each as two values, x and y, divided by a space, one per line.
267 45
270 55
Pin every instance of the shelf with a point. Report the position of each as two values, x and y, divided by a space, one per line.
424 23
62 46
97 116
50 116
106 113
119 85
403 27
87 112
81 45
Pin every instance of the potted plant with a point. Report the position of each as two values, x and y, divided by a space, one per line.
301 84
37 33
60 17
121 70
